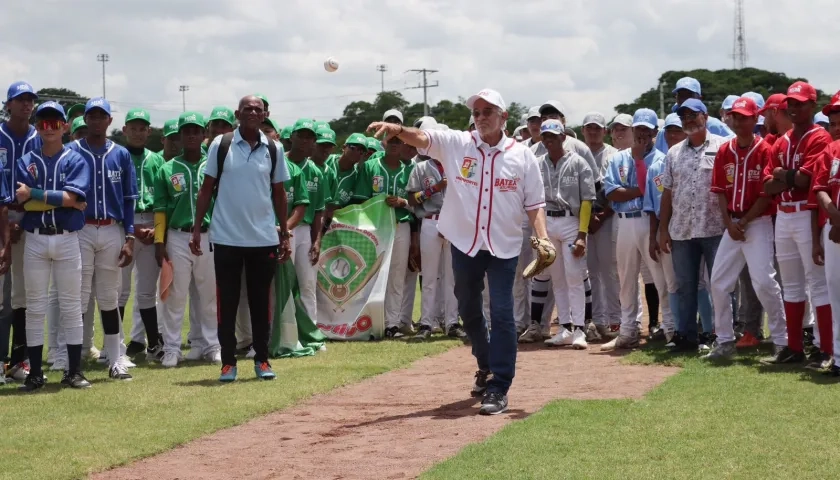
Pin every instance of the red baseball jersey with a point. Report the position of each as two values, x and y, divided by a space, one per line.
791 152
770 139
738 173
828 173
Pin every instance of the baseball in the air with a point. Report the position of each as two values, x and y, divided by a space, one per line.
331 64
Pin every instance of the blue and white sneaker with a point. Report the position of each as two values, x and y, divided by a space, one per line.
228 373
264 371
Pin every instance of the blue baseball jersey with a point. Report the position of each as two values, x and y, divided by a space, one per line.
621 173
713 125
65 171
654 187
113 183
12 148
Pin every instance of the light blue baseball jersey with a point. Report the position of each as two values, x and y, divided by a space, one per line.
12 148
621 173
113 184
654 188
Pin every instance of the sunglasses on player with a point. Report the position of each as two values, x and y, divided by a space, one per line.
49 124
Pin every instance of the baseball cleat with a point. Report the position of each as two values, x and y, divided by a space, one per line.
532 334
76 380
32 383
579 339
19 372
170 359
457 331
606 332
563 338
783 355
721 352
134 348
263 371
154 354
423 333
118 371
626 342
392 333
228 373
92 353
748 340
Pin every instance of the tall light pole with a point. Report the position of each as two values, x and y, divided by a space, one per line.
184 89
382 69
102 57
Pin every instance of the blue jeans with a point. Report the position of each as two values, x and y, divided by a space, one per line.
686 255
6 318
498 354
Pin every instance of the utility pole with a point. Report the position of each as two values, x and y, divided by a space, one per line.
382 69
184 89
425 86
739 46
102 57
661 99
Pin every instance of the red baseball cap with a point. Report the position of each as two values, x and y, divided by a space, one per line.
775 101
745 106
833 106
802 91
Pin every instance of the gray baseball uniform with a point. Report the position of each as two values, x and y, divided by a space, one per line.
600 255
574 145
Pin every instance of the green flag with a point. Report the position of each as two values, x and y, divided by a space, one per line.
293 333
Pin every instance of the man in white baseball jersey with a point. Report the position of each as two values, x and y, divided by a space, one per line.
495 181
624 186
601 243
107 239
748 239
569 192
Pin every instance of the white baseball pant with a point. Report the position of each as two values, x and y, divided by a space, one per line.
89 317
18 289
100 248
832 270
631 252
44 256
603 274
436 256
409 292
567 272
186 266
522 286
305 271
396 275
756 252
146 274
195 336
796 265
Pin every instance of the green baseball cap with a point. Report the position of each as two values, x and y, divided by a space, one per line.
222 113
286 133
77 108
322 125
263 98
191 118
138 114
170 127
78 122
356 139
272 123
374 144
304 124
325 135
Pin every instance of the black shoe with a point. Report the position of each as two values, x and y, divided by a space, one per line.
457 331
480 386
392 333
134 348
681 344
423 334
77 380
784 356
239 351
813 354
822 363
656 334
834 371
493 404
33 383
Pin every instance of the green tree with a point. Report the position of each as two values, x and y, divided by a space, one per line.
67 98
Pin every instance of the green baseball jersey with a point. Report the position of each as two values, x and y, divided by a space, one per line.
377 179
176 191
313 178
204 148
329 182
344 184
146 167
296 193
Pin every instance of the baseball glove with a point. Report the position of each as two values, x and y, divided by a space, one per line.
545 255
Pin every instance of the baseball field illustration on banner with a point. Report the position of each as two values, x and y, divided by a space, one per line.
353 271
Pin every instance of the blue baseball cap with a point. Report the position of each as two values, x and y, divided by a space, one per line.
688 83
645 117
820 118
552 126
756 97
728 101
54 106
760 120
19 88
672 120
99 103
694 104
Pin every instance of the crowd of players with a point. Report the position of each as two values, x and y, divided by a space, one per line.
739 213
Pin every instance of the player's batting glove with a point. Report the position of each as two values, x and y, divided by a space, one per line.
546 254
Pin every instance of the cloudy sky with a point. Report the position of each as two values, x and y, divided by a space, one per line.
591 54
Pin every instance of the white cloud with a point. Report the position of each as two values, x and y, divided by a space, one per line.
591 54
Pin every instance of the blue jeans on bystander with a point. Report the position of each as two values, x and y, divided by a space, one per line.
686 255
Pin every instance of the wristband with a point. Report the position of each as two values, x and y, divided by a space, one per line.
419 197
37 194
54 198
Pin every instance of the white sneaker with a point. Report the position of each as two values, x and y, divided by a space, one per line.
251 353
92 353
214 356
19 372
563 337
170 359
532 334
323 348
621 342
126 362
59 365
579 340
2 372
194 355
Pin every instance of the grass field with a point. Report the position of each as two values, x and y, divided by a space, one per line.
60 433
741 421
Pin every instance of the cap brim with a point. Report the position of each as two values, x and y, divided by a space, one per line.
831 108
52 110
552 132
144 120
16 95
743 112
674 91
645 124
595 123
228 121
325 140
471 101
97 108
800 98
182 125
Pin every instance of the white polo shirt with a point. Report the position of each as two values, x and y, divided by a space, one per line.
489 189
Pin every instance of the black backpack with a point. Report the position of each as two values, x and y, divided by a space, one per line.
222 152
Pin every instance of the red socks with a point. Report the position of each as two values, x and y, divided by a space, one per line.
794 313
824 325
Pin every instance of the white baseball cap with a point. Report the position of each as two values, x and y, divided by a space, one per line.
425 123
393 113
552 126
517 131
555 104
472 121
533 112
594 118
490 96
622 119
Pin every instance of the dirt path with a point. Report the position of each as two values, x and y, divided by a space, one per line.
401 422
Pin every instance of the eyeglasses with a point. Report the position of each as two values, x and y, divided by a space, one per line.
689 115
485 112
50 124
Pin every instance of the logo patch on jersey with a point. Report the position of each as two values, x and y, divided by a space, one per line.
428 182
622 173
657 180
378 183
507 184
730 172
179 183
290 195
3 156
33 170
835 166
754 175
115 176
468 167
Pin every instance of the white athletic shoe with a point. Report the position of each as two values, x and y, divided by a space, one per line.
532 334
59 365
92 353
2 372
563 337
579 340
170 359
251 353
621 342
323 348
19 372
126 362
194 355
214 356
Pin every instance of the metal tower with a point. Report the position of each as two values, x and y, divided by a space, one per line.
739 45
